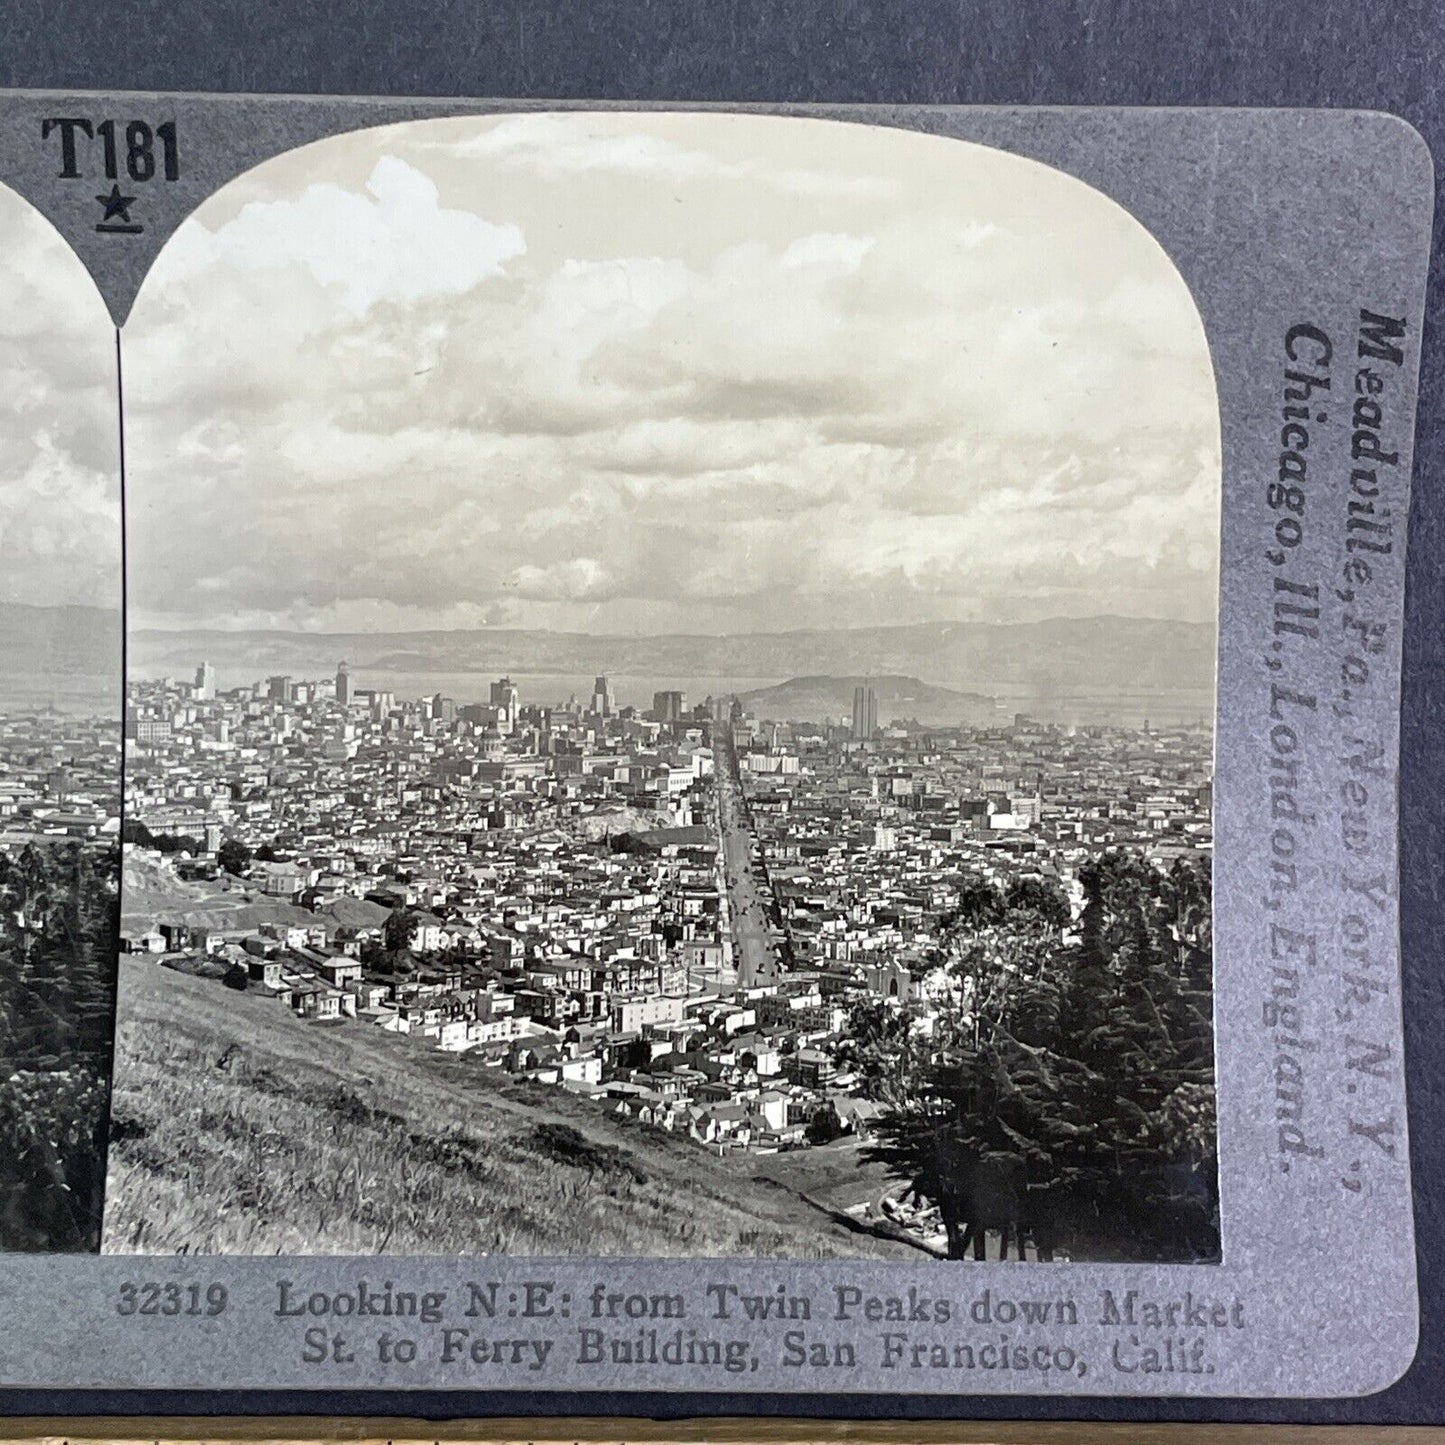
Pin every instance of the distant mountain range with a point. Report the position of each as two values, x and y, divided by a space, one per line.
59 641
1090 668
1096 656
811 699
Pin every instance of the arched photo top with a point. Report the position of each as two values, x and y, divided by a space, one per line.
59 432
664 572
666 373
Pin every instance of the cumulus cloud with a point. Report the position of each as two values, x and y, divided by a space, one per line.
392 242
827 252
59 459
635 403
572 580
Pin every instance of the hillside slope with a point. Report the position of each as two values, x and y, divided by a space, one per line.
239 1128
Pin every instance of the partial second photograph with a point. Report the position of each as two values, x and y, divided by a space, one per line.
669 704
61 698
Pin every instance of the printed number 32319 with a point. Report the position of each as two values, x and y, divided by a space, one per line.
151 1298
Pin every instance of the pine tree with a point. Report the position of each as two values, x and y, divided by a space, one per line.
1086 1069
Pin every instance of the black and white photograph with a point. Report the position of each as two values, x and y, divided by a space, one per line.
60 736
669 703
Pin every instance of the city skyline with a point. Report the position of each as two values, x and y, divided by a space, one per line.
670 705
1087 670
665 373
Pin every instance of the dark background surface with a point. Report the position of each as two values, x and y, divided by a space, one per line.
1389 55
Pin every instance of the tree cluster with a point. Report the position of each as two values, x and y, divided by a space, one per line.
1067 1090
392 956
233 855
136 832
58 920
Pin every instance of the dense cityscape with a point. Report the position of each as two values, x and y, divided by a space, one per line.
59 777
672 911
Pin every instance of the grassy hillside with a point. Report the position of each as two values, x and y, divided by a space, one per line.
239 1128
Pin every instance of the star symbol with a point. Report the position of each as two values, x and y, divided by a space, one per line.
117 206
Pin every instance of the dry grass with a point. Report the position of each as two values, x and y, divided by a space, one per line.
239 1128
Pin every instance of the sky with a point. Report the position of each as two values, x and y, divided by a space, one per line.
622 373
59 448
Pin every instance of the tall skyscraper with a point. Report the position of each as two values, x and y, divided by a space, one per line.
507 700
668 707
278 688
865 713
603 702
343 684
205 681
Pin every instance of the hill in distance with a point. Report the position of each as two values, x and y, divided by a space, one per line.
812 699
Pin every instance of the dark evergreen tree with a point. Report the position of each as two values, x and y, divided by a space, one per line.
397 930
877 1047
1037 895
977 905
58 920
1069 1083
